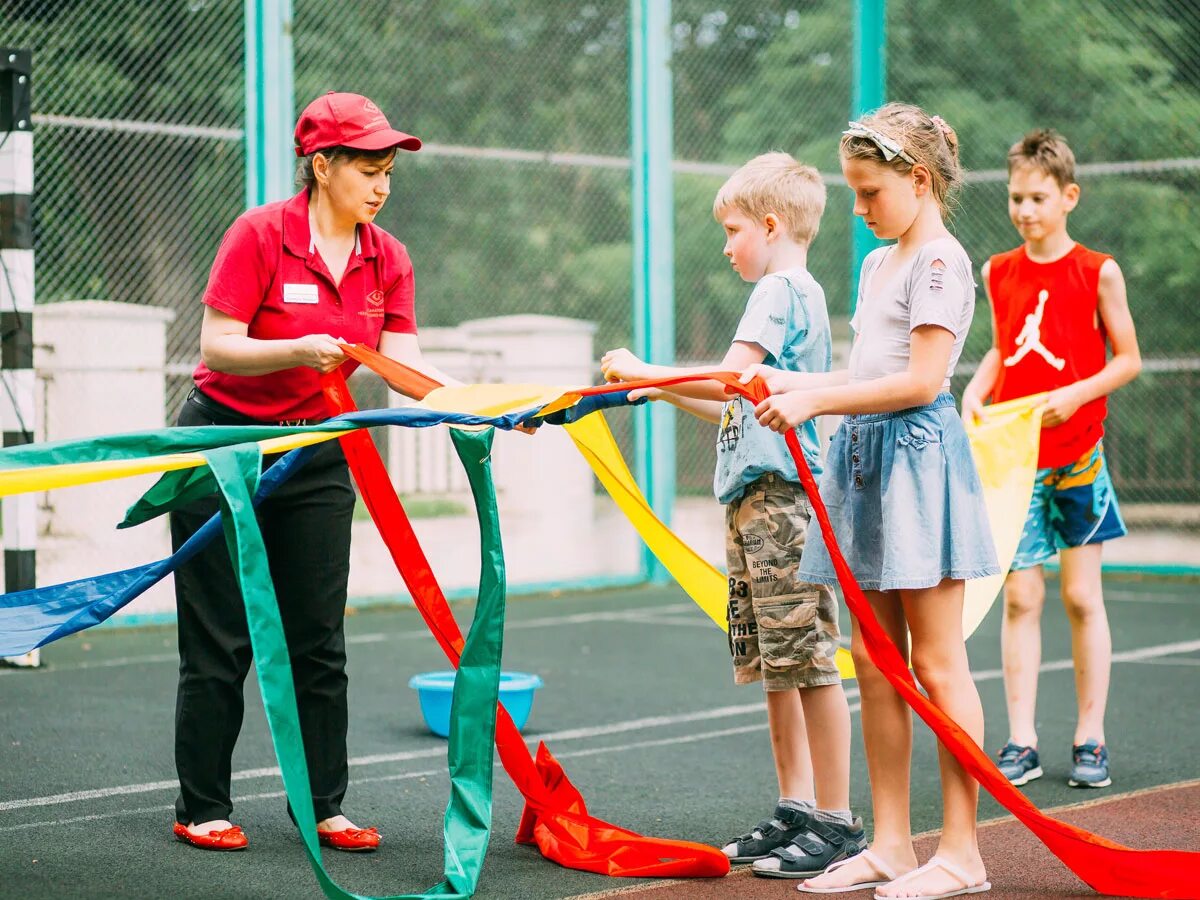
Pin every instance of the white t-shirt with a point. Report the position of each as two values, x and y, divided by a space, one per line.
935 287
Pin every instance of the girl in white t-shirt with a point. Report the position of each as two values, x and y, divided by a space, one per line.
902 491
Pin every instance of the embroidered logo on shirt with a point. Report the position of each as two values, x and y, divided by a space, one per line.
374 308
937 272
1030 338
299 293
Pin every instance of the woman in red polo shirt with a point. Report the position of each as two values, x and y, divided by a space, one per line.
290 281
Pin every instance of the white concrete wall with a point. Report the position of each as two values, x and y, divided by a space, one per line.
100 370
554 526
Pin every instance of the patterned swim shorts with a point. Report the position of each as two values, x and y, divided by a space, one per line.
1072 506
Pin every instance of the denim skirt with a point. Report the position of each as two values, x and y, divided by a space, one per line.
905 502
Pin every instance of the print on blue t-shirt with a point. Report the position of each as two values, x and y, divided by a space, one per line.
787 317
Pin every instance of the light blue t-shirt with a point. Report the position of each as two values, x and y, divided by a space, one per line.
787 317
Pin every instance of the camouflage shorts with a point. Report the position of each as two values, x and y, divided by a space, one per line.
781 630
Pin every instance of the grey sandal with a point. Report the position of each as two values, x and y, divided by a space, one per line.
814 850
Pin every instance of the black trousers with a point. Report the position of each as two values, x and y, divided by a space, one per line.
305 524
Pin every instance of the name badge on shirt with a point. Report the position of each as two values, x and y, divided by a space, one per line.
299 293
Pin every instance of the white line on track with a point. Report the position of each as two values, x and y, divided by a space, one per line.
1184 661
401 776
637 615
1138 655
405 756
1110 596
97 664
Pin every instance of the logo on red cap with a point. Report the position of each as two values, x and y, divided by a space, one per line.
377 116
347 120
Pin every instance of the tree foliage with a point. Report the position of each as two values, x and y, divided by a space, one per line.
136 217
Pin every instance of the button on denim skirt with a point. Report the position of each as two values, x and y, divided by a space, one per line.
905 502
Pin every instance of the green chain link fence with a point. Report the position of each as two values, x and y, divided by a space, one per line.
521 202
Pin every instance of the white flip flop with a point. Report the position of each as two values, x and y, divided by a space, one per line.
881 868
937 862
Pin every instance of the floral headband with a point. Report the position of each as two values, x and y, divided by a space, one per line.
887 146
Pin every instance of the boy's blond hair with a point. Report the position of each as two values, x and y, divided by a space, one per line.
1046 150
776 183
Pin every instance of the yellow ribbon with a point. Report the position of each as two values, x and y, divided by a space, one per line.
1005 447
45 478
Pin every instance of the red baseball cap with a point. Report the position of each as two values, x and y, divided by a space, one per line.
347 120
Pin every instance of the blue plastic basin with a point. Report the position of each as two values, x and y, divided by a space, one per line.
435 690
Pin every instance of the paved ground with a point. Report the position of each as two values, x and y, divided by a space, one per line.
638 705
1019 867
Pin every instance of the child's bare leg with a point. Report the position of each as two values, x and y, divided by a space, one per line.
1021 650
1091 641
939 659
827 718
789 744
887 735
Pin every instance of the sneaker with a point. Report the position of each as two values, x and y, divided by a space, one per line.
1020 765
1091 765
767 835
814 850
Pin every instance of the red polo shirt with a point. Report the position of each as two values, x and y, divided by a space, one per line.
269 275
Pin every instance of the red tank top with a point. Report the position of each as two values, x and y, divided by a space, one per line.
1049 334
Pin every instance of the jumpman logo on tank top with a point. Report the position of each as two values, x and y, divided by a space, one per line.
1030 338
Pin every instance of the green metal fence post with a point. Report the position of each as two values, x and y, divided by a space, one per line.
870 88
270 104
650 113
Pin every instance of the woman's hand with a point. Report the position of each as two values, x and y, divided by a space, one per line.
783 412
322 352
622 365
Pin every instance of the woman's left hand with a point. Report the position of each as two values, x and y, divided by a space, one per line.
322 352
783 412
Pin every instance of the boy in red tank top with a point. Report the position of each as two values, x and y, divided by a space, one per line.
1056 307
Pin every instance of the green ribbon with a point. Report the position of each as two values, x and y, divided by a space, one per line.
174 490
157 442
468 819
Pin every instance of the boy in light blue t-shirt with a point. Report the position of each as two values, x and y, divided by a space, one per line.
786 317
782 631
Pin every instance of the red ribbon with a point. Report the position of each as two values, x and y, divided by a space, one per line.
555 816
1106 866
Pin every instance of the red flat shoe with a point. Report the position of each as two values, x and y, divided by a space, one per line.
225 839
351 840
